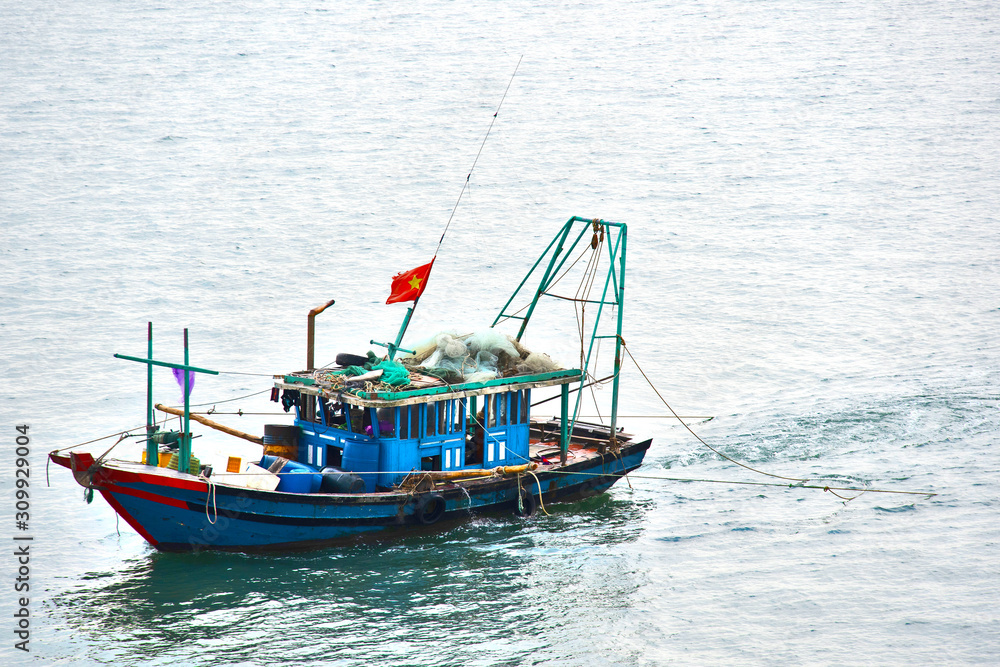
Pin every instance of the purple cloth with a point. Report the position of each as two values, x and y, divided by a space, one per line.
179 376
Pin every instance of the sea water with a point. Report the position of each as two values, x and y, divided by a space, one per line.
811 190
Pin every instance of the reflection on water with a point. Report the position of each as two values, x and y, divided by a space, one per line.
500 581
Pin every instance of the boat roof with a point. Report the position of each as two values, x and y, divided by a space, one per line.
422 389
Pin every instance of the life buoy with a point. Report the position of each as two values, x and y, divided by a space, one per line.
528 503
430 508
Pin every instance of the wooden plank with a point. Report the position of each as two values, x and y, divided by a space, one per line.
256 439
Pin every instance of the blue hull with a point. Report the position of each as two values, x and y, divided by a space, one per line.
183 513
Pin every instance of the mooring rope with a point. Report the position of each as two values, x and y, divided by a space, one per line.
541 502
211 493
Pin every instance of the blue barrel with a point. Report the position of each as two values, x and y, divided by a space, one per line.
361 457
293 476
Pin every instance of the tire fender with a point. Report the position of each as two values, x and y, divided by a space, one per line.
430 508
528 504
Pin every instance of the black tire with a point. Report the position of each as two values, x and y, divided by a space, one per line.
430 508
344 359
528 504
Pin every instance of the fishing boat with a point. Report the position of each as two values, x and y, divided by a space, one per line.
383 445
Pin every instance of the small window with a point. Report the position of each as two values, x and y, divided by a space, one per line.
525 404
334 456
336 415
432 419
458 417
500 409
357 419
442 416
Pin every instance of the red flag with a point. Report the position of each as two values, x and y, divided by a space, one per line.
409 285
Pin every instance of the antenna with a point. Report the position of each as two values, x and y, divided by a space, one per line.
465 185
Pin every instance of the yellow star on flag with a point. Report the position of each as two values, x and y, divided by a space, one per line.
409 285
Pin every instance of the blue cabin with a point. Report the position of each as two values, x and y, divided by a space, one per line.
384 436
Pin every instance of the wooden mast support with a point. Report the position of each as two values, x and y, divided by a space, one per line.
256 439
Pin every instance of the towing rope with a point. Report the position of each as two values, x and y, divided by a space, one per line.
697 437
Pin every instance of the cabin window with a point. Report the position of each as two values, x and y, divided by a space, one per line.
307 408
442 416
430 463
431 419
505 409
386 422
357 418
458 417
408 421
436 419
490 408
499 411
333 413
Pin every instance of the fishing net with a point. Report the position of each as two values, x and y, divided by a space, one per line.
478 357
393 374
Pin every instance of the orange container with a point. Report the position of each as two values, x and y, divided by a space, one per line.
164 458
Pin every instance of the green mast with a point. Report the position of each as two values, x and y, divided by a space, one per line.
559 253
184 455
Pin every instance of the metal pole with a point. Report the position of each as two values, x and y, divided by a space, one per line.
184 455
311 333
544 284
402 329
618 339
152 451
564 424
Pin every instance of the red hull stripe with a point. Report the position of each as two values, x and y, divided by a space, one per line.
146 495
128 477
